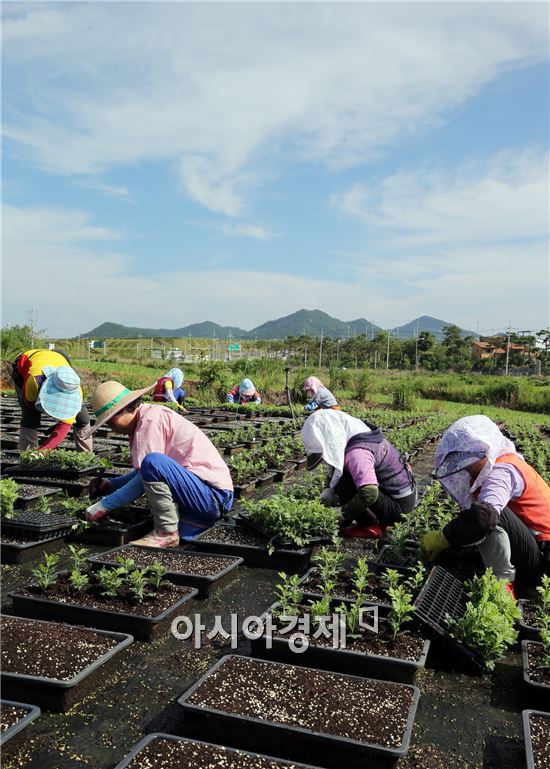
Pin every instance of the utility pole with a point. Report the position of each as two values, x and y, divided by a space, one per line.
388 353
416 351
31 317
508 347
321 349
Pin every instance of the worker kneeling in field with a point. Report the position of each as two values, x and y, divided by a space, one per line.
367 475
168 389
46 383
186 481
245 392
506 503
319 395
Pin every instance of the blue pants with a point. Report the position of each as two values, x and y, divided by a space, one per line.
199 504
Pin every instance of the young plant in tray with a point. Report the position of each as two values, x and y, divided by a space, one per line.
290 595
488 624
45 573
157 572
8 495
60 459
286 518
353 612
543 605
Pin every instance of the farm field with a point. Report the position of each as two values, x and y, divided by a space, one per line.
464 719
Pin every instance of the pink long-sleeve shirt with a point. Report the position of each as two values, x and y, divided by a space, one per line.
162 430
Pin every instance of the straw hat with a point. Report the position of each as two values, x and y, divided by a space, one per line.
60 395
111 397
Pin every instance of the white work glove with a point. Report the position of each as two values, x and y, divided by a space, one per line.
96 512
328 497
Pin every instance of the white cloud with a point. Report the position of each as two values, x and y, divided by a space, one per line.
503 198
61 263
228 92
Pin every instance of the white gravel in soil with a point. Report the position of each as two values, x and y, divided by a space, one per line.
361 709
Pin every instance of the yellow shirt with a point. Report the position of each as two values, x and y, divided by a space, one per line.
34 376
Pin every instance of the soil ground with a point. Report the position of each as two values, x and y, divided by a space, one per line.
462 722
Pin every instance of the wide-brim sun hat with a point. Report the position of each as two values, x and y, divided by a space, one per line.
60 394
455 461
109 398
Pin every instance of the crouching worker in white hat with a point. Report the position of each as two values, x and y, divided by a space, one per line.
45 383
186 481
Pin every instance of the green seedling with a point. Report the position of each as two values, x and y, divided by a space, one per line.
110 581
79 581
8 495
157 573
290 595
45 573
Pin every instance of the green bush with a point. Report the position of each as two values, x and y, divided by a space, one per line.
364 385
404 396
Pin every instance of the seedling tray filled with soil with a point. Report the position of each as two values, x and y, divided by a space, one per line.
122 612
165 751
375 591
118 527
14 717
74 488
329 719
36 471
372 653
536 732
281 474
13 551
28 493
528 622
404 563
37 525
53 665
536 678
229 539
200 570
244 489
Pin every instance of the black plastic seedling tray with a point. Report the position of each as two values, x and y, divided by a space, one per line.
203 583
142 628
385 668
224 755
23 503
21 552
380 564
537 693
527 632
278 541
32 713
54 694
74 488
253 555
61 473
292 742
312 594
443 598
529 753
36 525
115 535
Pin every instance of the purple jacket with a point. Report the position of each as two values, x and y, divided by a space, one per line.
393 474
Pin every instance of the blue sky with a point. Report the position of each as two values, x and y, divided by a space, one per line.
168 163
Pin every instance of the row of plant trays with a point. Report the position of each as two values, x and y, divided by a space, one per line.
37 525
271 476
189 574
53 665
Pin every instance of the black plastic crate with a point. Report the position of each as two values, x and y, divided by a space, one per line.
37 525
441 600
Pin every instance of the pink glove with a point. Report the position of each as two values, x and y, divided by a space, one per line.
96 512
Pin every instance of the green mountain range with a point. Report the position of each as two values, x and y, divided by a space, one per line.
303 322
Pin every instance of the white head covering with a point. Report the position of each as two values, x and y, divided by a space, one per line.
327 432
466 441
